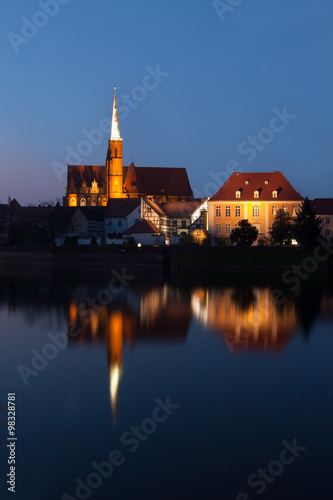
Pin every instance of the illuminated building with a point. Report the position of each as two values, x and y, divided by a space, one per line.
94 185
253 196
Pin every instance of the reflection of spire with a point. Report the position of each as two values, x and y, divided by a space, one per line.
115 350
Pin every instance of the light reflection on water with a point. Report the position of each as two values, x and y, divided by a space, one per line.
208 347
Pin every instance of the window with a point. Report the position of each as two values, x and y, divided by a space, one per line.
227 228
183 223
274 210
328 220
256 211
120 223
218 211
238 194
228 211
294 210
285 208
274 194
83 202
116 153
237 211
328 232
218 229
256 194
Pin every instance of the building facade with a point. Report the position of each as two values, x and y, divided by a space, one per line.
324 210
253 196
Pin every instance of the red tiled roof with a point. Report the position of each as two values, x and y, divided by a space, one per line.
142 227
323 206
180 208
121 207
174 181
247 183
87 173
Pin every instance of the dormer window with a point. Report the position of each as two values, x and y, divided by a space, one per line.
238 194
266 181
274 194
247 182
256 194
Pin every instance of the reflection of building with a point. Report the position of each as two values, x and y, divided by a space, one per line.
246 319
253 196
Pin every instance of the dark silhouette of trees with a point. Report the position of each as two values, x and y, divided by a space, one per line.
307 226
282 228
244 234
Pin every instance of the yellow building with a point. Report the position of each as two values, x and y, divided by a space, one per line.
253 196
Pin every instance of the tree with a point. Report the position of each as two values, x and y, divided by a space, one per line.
282 228
307 226
244 234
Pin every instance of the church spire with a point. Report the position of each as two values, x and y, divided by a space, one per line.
115 133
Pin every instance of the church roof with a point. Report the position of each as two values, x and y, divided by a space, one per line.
264 182
170 181
142 227
87 173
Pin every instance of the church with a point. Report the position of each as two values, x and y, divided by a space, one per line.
94 185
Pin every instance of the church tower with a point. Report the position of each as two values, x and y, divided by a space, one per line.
114 158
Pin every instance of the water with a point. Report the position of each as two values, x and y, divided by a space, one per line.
214 389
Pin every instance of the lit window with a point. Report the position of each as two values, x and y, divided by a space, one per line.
238 194
227 228
218 229
328 220
228 211
218 211
83 202
256 194
274 194
274 210
285 208
256 211
237 211
294 210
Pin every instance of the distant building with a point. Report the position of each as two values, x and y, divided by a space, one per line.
324 209
253 196
120 214
94 185
145 232
88 222
174 218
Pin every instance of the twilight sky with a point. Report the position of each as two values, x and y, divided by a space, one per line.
209 86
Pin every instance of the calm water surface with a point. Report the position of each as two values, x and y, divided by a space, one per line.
165 389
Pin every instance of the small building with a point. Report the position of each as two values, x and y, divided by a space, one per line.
174 218
255 196
145 232
88 222
324 210
120 214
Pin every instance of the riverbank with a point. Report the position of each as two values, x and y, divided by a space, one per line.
172 259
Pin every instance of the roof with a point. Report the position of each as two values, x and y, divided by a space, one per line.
87 173
264 182
169 181
175 209
92 213
323 206
121 207
142 227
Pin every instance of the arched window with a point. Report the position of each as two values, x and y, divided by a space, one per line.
72 202
237 211
256 194
104 203
294 210
218 229
93 202
256 211
218 211
274 210
83 202
228 211
285 208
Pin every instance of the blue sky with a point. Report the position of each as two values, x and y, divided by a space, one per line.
223 75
